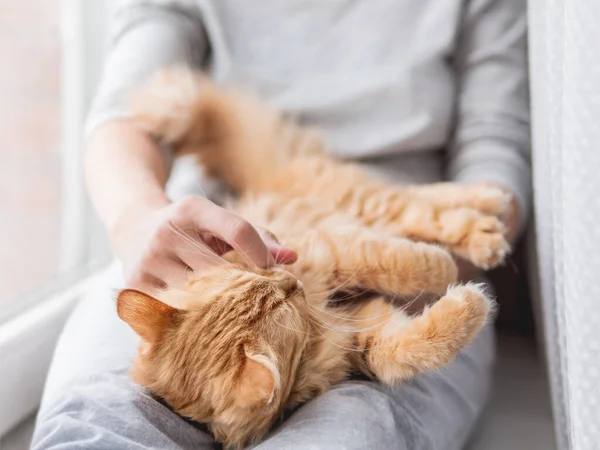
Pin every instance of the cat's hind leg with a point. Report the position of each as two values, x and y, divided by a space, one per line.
486 199
466 232
465 219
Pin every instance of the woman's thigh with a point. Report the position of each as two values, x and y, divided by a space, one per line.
89 400
435 411
94 338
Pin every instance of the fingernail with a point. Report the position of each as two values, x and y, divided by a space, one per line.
284 255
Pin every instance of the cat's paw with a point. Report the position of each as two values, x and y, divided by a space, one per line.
435 338
474 236
468 295
486 244
464 310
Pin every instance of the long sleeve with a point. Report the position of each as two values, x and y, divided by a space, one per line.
491 141
146 35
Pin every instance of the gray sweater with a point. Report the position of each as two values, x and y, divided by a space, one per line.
439 82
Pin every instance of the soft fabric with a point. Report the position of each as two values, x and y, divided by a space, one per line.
91 403
379 78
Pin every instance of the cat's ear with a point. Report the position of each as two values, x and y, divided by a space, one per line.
146 315
258 382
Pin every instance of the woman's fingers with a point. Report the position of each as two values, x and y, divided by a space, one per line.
280 253
159 272
192 248
145 282
205 216
191 235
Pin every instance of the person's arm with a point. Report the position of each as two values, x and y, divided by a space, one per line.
126 172
145 36
491 144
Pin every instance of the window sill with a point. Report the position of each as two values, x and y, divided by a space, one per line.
27 343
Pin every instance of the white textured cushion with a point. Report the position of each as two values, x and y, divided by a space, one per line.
565 81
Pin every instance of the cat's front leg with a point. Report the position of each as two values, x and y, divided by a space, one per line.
360 258
397 347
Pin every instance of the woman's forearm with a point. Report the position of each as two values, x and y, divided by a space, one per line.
125 172
157 241
126 176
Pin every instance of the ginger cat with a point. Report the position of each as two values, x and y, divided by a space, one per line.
239 344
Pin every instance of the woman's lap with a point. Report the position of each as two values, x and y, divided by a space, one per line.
91 403
433 411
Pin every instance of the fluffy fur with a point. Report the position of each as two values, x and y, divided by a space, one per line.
245 343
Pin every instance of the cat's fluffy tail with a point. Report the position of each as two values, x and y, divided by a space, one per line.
237 138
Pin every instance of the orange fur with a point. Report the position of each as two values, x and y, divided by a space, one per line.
249 343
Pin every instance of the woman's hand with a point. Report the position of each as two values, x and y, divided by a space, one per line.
162 244
466 270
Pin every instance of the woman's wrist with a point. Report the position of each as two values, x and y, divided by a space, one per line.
133 210
125 174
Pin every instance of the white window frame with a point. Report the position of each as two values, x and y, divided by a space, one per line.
26 346
28 338
84 45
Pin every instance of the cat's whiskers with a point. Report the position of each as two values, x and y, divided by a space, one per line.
323 323
248 260
196 245
408 304
219 244
337 288
189 272
350 319
278 254
331 327
318 328
347 296
291 328
371 318
348 349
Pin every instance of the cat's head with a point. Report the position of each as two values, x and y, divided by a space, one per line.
229 356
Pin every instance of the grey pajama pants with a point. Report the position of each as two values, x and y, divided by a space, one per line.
90 403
